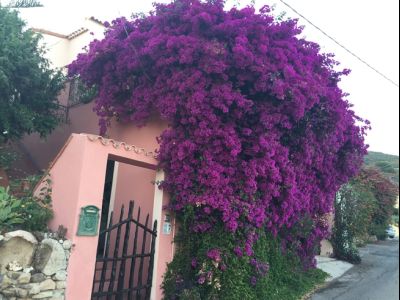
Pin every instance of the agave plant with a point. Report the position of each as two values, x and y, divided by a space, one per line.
9 210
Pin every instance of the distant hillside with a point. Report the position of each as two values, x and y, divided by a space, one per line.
388 164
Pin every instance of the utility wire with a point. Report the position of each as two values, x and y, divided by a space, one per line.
341 45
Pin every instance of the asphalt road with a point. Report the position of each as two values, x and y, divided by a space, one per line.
376 278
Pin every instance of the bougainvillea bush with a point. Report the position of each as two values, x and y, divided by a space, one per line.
260 136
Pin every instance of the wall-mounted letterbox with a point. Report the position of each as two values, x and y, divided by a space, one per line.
88 221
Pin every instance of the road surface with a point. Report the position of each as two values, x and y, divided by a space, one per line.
376 278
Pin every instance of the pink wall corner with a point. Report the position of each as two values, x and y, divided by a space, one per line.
83 257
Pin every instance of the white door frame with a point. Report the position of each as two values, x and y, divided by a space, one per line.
157 215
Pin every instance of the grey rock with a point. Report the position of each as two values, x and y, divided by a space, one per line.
27 236
6 282
17 246
67 244
43 295
13 275
24 278
59 294
21 292
46 285
50 257
60 275
61 285
38 277
34 289
9 292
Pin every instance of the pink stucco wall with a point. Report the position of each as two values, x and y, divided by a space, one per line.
82 119
78 175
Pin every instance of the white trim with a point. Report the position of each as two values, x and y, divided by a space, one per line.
157 215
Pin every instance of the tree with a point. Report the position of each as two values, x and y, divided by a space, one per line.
24 3
28 86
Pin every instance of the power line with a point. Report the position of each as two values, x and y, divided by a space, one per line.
341 45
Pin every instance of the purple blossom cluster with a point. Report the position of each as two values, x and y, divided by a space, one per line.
260 133
214 255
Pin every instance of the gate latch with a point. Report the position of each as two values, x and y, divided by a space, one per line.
88 221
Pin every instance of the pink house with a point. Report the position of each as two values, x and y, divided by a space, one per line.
89 172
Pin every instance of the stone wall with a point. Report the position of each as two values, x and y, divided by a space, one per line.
33 266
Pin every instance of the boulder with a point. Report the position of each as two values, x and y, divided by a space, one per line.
34 289
61 285
21 293
60 275
24 278
27 236
9 292
17 248
46 285
38 277
43 295
50 257
6 282
67 244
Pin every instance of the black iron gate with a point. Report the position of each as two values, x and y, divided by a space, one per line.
124 267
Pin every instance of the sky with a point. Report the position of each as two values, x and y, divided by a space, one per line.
368 28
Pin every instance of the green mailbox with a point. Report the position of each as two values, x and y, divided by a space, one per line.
88 221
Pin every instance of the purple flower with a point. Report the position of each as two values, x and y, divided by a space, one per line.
238 251
222 267
207 210
201 280
215 255
253 281
194 263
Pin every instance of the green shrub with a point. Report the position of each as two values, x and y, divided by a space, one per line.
379 230
285 280
348 210
26 211
395 220
10 210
